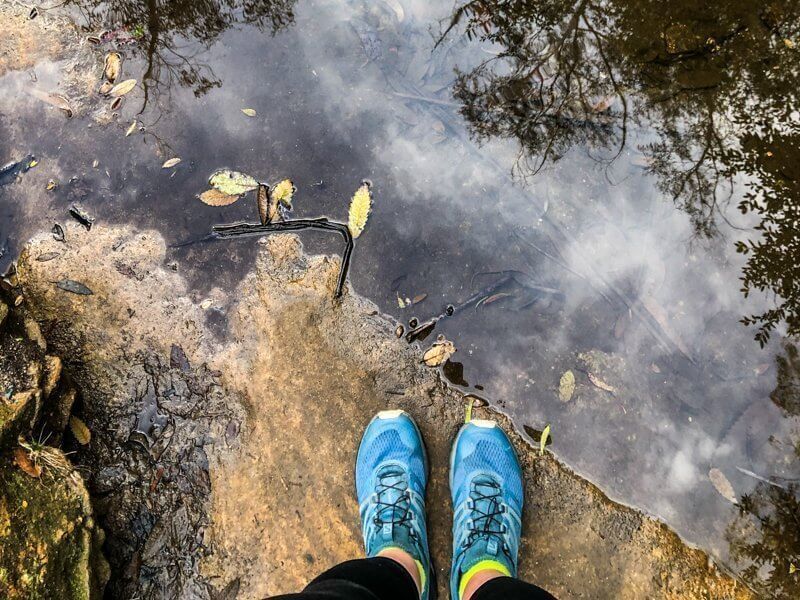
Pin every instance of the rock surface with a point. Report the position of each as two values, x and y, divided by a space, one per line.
227 462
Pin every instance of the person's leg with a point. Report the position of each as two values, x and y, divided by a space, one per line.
487 494
391 476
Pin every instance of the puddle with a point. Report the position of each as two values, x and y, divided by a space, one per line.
573 192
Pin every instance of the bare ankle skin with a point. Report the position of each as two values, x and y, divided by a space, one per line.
406 561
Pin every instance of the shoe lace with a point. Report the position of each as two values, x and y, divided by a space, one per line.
392 499
487 507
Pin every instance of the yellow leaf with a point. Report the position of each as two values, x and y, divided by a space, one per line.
400 302
33 163
468 415
543 438
80 430
566 387
232 183
171 163
283 192
249 112
788 43
51 185
123 88
360 206
792 568
217 198
131 129
438 353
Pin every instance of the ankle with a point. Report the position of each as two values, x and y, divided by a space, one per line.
477 580
405 560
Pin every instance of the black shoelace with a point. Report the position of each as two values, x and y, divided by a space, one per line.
392 499
485 502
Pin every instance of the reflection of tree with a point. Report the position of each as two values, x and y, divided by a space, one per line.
765 539
171 34
714 84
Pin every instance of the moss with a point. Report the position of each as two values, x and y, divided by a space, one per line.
45 536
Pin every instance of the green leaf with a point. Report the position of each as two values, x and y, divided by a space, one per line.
232 183
543 440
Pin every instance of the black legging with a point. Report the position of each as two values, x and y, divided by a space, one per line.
383 579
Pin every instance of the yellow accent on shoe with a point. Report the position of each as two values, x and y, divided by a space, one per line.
422 576
483 565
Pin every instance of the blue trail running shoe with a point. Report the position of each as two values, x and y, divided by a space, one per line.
391 475
486 489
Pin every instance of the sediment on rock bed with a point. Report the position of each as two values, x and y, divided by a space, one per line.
228 462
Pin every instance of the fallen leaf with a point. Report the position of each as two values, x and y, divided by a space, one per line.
76 287
131 128
47 256
722 485
418 298
545 435
51 185
112 66
232 183
655 368
792 569
116 103
56 100
262 201
33 163
761 369
360 207
105 88
566 387
217 198
249 112
283 192
170 163
599 383
438 353
492 298
123 88
400 302
788 43
80 430
468 413
24 462
95 163
206 304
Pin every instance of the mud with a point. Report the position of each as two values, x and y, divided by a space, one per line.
226 460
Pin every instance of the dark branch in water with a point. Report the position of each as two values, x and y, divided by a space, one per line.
257 229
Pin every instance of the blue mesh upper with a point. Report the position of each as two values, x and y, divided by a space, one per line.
492 457
387 445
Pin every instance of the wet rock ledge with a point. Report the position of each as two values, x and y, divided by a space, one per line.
221 467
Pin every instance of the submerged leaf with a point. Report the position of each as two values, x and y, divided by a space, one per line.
232 183
545 435
566 387
105 88
56 100
597 382
722 485
400 302
80 430
123 88
112 66
131 128
217 198
24 462
76 287
51 185
171 163
250 112
262 201
360 206
438 353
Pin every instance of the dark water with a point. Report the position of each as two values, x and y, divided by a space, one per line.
607 189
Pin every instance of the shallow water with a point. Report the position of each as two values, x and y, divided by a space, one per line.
567 176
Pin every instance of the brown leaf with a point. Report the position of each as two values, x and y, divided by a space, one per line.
56 100
438 353
599 383
172 162
418 298
722 485
262 200
113 66
217 198
24 462
123 88
79 429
